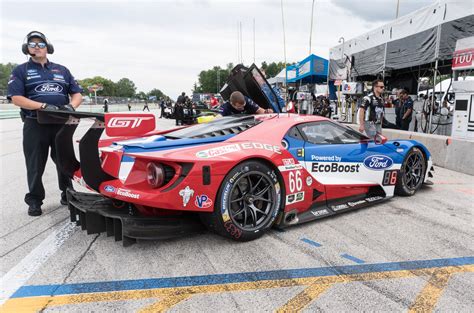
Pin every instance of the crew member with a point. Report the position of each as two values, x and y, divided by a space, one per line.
179 109
239 104
41 85
162 107
397 103
406 110
145 106
106 105
372 110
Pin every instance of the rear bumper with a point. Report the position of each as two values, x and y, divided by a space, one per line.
97 214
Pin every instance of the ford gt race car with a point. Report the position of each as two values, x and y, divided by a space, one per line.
237 175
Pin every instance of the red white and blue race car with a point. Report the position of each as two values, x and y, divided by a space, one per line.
239 176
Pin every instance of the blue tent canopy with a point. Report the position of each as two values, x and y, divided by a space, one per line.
311 70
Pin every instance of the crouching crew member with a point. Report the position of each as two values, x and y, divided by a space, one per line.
239 104
41 85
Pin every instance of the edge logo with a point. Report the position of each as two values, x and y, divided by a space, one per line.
378 162
203 201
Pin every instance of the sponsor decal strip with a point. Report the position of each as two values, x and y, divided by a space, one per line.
209 153
352 204
294 198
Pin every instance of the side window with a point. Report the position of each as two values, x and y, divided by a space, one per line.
295 133
326 132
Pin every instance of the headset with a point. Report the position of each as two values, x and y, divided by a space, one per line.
24 46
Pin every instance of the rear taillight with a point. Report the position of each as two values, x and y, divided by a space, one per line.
155 175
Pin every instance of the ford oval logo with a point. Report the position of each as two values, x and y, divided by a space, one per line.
378 162
109 188
49 88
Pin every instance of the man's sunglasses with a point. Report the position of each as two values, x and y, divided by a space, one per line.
33 45
381 87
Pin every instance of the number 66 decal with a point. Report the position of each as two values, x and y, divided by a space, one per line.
295 181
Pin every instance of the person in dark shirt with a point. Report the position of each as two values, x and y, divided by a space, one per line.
239 104
406 109
41 85
371 112
106 105
397 104
179 109
162 107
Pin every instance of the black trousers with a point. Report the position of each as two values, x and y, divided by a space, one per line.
179 116
37 141
406 123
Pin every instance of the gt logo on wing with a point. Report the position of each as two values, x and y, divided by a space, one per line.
126 122
121 124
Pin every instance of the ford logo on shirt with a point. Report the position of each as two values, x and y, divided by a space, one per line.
49 87
378 162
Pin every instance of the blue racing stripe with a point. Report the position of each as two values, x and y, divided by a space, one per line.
187 281
352 258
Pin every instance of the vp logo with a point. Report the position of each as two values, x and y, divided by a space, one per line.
203 201
126 122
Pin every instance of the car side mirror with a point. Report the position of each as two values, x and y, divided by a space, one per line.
379 139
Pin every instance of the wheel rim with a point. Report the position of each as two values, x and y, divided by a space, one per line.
252 200
413 171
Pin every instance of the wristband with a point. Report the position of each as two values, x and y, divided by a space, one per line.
43 105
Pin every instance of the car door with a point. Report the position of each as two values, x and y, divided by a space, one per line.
345 161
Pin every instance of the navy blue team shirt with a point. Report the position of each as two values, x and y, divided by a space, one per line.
249 108
51 84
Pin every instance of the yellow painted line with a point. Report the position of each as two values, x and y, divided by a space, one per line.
304 298
430 294
34 304
164 304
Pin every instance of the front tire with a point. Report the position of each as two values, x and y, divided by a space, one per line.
248 202
412 173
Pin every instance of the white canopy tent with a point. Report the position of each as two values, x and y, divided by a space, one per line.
279 78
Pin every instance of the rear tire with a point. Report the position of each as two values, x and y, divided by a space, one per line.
412 173
248 202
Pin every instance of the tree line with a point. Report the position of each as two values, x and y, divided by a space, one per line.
212 80
209 81
124 87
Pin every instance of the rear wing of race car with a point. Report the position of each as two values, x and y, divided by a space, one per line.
123 125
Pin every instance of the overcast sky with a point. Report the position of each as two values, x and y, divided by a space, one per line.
165 44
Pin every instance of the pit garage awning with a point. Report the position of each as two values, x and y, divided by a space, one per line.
409 44
313 69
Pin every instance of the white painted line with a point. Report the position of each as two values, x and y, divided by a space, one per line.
19 275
